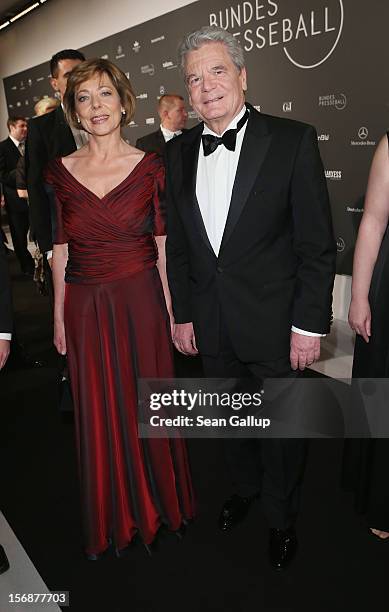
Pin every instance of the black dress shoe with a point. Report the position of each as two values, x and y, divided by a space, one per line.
4 563
282 547
234 511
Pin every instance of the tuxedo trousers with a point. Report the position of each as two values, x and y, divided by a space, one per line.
268 467
19 224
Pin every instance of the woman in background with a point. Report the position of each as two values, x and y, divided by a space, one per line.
111 315
366 462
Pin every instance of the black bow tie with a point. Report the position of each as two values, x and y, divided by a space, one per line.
211 143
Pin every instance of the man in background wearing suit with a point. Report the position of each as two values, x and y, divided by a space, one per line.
11 150
49 136
173 115
5 341
251 262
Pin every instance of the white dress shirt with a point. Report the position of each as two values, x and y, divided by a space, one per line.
16 142
214 183
168 134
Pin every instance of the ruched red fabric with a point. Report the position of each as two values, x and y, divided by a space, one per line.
117 330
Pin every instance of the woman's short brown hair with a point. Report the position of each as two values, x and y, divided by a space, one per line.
87 70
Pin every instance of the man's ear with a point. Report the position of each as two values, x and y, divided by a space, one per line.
53 83
243 76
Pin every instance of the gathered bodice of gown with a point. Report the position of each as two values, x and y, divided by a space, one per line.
112 237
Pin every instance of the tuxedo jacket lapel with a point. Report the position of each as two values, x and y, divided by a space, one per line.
255 146
190 154
14 152
64 140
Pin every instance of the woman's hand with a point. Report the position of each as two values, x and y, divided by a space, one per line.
359 317
59 337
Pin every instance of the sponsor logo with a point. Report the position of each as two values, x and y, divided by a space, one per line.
150 121
105 56
158 39
14 88
10 105
323 137
18 104
26 103
148 69
307 33
287 107
339 101
40 79
353 209
136 46
169 65
119 52
132 124
142 96
363 141
29 82
192 115
333 175
340 244
162 90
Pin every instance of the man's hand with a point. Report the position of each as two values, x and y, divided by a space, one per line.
184 339
2 201
4 352
22 193
304 350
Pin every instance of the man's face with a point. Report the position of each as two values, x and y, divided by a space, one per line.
215 85
177 116
19 130
65 67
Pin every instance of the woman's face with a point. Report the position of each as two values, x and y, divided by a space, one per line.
98 105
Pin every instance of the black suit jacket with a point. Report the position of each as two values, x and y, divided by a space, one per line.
5 295
276 264
49 137
152 143
9 157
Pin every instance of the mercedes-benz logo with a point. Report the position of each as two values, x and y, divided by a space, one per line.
340 244
363 133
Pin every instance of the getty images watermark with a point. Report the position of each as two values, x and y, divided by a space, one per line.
207 401
276 408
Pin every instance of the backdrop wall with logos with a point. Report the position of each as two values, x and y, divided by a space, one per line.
320 62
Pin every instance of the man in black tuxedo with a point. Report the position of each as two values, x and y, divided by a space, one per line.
11 150
251 261
49 136
5 341
173 115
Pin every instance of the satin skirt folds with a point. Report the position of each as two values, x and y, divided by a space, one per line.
116 332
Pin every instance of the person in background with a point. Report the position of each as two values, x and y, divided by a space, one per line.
49 136
173 116
11 150
366 462
5 343
43 106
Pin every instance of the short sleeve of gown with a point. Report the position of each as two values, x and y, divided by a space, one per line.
52 188
159 201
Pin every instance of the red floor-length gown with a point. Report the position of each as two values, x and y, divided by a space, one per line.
117 330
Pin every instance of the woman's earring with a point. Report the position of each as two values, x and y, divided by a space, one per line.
123 111
78 120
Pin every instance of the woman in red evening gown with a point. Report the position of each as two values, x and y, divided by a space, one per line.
111 315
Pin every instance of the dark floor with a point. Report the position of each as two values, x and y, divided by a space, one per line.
338 567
